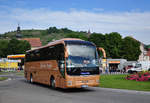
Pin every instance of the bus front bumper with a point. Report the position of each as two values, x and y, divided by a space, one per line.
82 81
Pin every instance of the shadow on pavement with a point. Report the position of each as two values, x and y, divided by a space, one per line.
67 90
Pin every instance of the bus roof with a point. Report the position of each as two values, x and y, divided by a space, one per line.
57 42
62 40
65 40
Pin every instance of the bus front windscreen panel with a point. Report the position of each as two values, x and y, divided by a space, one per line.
82 60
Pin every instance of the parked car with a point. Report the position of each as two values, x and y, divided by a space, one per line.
135 69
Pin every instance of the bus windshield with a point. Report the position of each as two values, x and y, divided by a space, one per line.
82 56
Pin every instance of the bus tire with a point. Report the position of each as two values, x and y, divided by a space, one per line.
53 83
31 79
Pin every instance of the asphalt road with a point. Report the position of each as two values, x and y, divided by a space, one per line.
17 90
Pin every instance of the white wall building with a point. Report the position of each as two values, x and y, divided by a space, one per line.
143 56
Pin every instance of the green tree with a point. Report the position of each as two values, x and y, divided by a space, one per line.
53 30
17 46
23 46
76 35
3 48
66 30
130 49
113 43
13 46
98 40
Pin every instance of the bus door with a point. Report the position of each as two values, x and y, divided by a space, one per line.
61 77
61 64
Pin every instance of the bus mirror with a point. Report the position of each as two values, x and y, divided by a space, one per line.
66 54
103 51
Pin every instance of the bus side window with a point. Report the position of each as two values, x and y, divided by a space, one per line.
27 57
43 54
37 55
60 51
50 53
32 56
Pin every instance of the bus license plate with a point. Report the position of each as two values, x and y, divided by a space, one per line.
84 86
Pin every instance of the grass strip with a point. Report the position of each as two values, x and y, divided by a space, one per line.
4 73
20 73
119 82
3 78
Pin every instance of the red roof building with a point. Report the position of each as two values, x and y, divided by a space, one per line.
34 42
148 52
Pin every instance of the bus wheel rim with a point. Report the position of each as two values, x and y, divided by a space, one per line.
53 83
31 80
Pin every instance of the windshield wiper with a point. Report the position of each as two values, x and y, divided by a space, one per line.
76 70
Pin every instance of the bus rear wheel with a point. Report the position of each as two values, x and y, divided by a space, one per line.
53 83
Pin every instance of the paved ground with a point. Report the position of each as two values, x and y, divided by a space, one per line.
17 90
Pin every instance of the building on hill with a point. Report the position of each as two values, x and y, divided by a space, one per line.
18 34
34 42
145 52
148 52
143 56
88 34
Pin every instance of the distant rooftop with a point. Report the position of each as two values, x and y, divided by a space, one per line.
34 42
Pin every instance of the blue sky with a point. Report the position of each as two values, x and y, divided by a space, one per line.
128 17
65 5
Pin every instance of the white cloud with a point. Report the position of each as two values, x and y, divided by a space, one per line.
136 24
98 9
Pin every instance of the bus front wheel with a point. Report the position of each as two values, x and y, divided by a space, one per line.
53 83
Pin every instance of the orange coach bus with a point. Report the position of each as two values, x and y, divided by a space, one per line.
65 63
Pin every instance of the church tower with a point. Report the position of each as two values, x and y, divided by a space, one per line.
18 34
88 34
18 29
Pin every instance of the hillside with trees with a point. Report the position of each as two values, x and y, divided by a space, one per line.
113 43
50 34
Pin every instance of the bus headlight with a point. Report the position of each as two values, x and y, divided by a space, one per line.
69 83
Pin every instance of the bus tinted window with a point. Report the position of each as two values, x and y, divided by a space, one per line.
49 53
